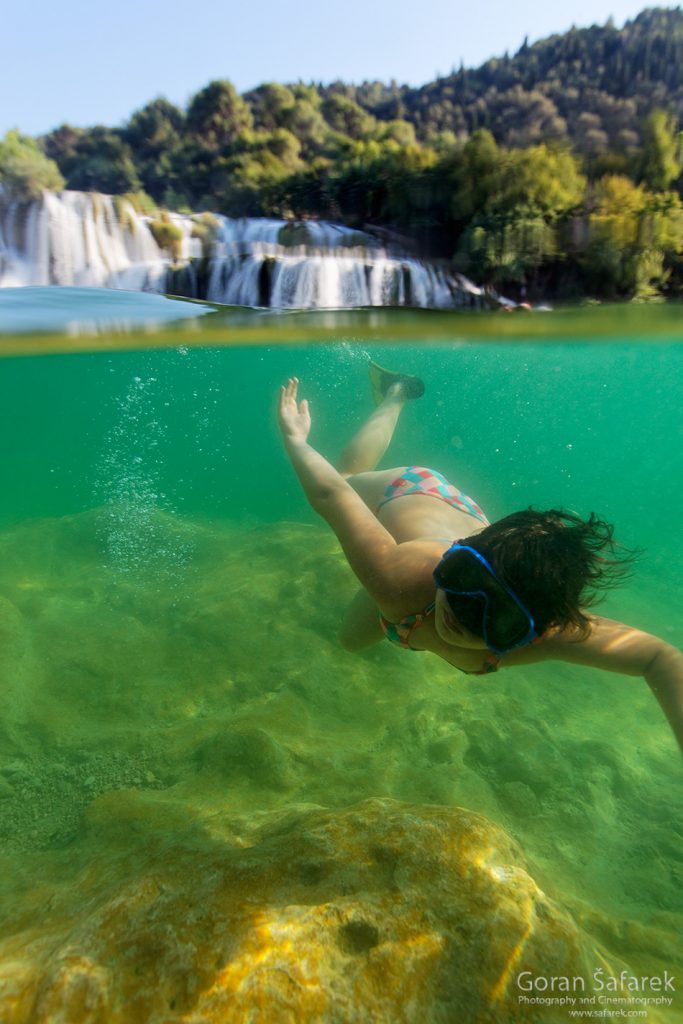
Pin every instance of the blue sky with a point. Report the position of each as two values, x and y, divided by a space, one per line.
89 63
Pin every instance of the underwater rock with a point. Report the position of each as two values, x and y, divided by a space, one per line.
245 753
143 714
383 911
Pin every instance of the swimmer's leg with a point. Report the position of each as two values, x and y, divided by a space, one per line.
369 444
381 380
360 627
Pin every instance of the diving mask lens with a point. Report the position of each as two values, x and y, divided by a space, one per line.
505 622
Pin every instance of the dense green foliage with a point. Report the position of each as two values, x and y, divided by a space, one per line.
558 169
592 86
24 169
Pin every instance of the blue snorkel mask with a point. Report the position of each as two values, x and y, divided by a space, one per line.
506 623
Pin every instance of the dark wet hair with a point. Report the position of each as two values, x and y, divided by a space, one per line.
556 562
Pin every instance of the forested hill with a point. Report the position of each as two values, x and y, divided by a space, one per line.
559 169
590 86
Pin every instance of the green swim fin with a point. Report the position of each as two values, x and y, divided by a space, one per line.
381 380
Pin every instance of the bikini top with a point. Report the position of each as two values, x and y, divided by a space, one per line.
399 633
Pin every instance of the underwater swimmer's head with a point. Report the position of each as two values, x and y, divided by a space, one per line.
481 602
528 573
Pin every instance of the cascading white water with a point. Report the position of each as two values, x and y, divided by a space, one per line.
76 238
87 239
234 235
301 280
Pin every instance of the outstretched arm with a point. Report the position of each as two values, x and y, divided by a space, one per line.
370 549
320 480
664 676
620 648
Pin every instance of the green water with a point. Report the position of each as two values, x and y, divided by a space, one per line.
163 585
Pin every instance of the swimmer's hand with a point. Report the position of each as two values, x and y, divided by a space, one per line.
294 420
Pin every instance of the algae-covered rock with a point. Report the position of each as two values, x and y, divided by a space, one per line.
245 754
380 912
167 235
293 234
205 227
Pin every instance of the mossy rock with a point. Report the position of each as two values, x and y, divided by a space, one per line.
205 227
294 234
246 753
354 240
140 202
167 235
208 219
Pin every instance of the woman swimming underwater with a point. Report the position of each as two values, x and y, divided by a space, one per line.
502 594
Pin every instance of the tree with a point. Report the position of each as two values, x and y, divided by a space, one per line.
308 94
270 105
527 192
662 159
286 147
305 192
407 171
345 116
218 115
507 251
101 162
633 238
24 170
189 173
401 132
472 175
538 181
59 145
155 134
521 118
306 122
154 129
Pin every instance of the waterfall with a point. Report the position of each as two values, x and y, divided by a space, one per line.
79 239
88 239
